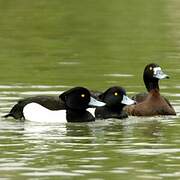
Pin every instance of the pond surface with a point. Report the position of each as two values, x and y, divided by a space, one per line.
50 46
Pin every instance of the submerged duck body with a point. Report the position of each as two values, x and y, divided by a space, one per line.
69 107
115 99
151 103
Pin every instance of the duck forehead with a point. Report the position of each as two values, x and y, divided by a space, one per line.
85 92
119 89
114 91
78 91
123 91
156 69
81 94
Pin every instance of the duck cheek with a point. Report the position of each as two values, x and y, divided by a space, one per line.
115 101
74 103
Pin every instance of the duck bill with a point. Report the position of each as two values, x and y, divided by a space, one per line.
162 76
95 103
127 101
159 74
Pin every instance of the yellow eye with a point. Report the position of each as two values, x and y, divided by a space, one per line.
150 68
116 94
82 95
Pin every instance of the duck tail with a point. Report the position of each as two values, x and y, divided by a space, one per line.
16 112
8 115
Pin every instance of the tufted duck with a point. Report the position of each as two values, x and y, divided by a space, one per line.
69 107
115 99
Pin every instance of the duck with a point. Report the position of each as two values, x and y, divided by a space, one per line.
151 103
70 106
115 98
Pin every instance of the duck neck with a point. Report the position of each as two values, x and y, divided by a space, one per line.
152 85
116 108
79 116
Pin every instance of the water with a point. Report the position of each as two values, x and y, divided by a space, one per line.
50 46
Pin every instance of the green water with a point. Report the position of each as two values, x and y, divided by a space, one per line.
47 47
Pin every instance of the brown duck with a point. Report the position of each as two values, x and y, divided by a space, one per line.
151 103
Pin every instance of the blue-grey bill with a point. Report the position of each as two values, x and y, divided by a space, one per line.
95 103
159 74
127 101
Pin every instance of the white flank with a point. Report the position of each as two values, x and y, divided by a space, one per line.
37 113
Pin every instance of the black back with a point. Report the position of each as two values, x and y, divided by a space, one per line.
50 102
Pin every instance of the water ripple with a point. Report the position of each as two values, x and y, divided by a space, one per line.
84 149
147 151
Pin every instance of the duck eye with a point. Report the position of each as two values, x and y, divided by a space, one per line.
82 95
150 68
116 94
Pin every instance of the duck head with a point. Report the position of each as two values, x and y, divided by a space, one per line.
115 97
79 98
152 74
